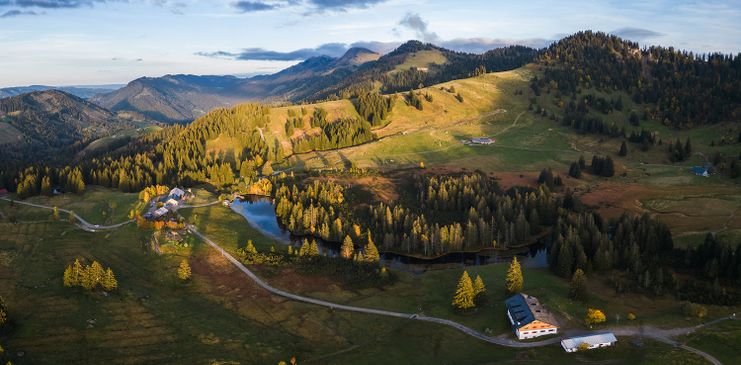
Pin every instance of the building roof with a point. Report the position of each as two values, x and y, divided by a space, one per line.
161 211
595 339
176 191
525 308
171 201
482 139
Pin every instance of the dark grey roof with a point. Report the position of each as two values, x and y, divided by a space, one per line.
525 309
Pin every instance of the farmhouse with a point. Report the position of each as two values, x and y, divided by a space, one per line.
700 171
160 212
528 318
171 203
573 344
482 140
176 193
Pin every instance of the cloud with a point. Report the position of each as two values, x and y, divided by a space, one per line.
342 5
415 23
309 6
55 4
481 45
261 54
15 13
636 34
255 6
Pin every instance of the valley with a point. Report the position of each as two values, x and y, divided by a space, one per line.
383 182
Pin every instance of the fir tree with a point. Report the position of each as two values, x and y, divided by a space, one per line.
623 149
514 280
371 252
347 249
464 293
578 286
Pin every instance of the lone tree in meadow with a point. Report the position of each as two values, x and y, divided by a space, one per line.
184 271
514 280
623 150
478 287
464 293
578 287
347 249
595 316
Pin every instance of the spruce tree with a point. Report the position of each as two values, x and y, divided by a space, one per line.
623 149
464 294
578 286
347 249
514 280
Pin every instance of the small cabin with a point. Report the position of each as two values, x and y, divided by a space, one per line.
573 344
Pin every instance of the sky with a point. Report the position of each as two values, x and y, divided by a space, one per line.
90 42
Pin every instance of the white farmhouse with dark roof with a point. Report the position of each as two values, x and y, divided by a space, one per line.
528 318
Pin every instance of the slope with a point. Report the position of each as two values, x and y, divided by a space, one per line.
48 124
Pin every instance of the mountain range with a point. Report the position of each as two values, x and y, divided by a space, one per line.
81 91
182 98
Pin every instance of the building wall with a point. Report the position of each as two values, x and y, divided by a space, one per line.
525 334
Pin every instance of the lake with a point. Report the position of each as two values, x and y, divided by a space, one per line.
260 215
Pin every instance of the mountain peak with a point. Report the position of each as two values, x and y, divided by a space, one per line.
357 56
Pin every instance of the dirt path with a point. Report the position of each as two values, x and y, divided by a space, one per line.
82 223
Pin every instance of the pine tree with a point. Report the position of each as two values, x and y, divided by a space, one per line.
184 271
514 280
267 169
347 249
249 248
478 287
109 281
96 272
578 286
305 248
464 293
371 251
623 149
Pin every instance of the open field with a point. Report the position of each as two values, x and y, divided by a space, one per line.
220 316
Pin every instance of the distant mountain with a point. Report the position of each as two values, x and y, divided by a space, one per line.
84 92
182 98
51 124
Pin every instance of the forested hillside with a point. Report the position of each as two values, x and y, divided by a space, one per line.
681 89
51 125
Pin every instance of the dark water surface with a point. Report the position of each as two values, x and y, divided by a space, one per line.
260 215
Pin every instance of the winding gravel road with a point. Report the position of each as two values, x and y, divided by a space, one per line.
82 223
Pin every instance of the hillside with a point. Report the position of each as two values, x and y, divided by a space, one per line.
182 98
47 124
84 92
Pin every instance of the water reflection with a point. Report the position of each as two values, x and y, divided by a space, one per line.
260 214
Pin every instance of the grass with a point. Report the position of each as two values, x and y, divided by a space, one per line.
221 317
99 205
721 341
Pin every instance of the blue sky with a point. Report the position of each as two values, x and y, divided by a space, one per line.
77 42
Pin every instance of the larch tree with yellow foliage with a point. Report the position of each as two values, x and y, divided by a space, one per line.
184 271
595 316
348 249
109 282
371 251
514 280
464 294
478 287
